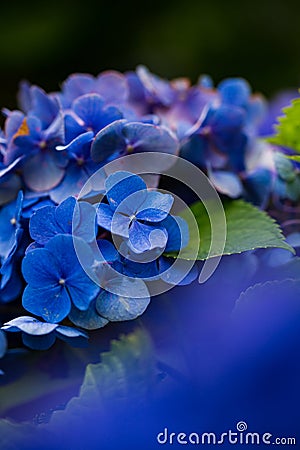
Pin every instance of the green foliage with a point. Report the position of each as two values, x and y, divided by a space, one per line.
288 128
248 228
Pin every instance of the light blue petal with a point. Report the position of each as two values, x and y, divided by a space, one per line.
117 309
155 207
227 183
144 237
30 325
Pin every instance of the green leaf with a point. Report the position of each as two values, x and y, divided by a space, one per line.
293 157
288 128
248 228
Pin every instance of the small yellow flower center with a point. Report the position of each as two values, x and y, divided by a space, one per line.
13 221
61 281
43 144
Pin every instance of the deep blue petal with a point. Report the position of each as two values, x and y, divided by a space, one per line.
234 91
43 224
41 268
178 233
39 342
52 304
121 185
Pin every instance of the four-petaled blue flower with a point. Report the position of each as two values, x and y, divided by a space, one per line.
42 335
56 279
134 212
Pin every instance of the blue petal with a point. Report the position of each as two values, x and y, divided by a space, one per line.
178 233
9 188
116 308
43 106
180 274
155 207
113 87
227 183
144 237
3 344
52 304
76 85
70 332
74 180
84 221
41 173
144 137
40 268
43 225
30 325
108 251
89 107
39 342
78 143
89 319
109 142
64 214
235 91
157 89
104 216
120 185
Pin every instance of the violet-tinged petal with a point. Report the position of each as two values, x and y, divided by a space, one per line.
113 87
89 107
41 172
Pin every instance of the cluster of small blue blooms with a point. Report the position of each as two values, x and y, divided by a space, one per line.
59 288
56 142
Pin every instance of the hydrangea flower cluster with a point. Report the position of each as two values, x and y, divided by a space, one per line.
56 142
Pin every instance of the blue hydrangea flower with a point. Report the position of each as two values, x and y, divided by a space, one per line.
27 139
56 279
42 335
135 213
49 221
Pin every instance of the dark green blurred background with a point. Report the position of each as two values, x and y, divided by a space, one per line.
45 41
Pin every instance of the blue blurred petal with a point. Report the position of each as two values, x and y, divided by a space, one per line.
234 91
41 173
113 87
3 344
227 183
